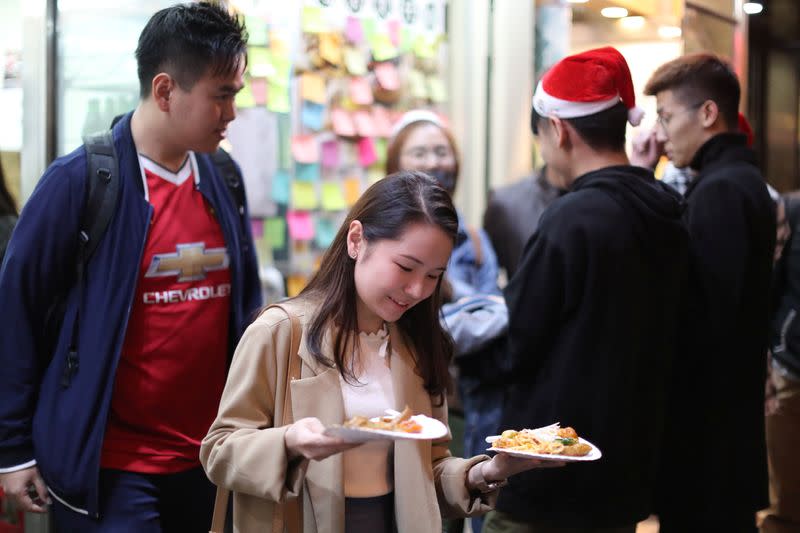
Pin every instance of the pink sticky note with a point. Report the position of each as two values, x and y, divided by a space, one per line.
353 30
343 123
387 76
382 121
360 91
330 154
301 227
257 227
366 152
394 31
258 86
364 124
305 149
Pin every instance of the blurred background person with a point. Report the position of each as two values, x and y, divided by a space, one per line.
8 214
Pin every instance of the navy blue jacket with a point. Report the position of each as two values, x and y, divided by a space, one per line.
60 428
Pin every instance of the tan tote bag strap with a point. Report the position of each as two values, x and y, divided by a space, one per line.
291 509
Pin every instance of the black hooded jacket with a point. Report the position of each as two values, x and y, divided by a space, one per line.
593 323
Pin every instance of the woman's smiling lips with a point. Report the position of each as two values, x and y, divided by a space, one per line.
398 304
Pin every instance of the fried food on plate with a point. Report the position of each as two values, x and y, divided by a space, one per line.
402 422
549 440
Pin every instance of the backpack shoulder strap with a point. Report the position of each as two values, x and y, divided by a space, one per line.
102 190
233 180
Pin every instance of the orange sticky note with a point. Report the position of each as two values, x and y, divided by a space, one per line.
330 48
313 88
366 152
364 125
295 283
360 91
343 123
352 190
305 148
387 76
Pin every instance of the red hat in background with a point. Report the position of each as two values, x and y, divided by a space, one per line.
587 83
745 128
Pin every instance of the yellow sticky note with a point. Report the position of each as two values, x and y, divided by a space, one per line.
295 283
436 89
333 197
304 195
425 46
416 84
354 61
278 98
312 87
245 98
330 48
312 19
278 42
382 47
259 62
352 190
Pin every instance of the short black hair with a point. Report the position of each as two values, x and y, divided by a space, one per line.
601 131
186 40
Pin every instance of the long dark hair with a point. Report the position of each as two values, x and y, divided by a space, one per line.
7 205
385 211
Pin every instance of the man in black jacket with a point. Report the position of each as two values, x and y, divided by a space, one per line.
593 309
714 471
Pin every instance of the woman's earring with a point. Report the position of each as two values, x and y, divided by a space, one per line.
353 254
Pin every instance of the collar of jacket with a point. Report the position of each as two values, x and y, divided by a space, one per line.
722 148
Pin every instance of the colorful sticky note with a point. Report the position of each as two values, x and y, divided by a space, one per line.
275 232
295 283
312 88
406 39
256 31
417 85
301 227
393 27
382 121
353 30
380 151
256 228
281 65
382 47
304 195
352 190
244 98
425 46
259 62
333 196
258 86
366 152
355 62
368 27
312 115
284 140
307 171
330 48
361 91
278 98
330 154
305 148
312 19
387 76
364 125
325 232
343 123
280 187
436 89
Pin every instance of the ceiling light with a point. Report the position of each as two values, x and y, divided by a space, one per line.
614 12
669 32
752 8
632 23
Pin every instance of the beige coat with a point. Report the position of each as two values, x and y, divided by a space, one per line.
245 453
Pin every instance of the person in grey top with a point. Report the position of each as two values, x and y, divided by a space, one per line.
8 214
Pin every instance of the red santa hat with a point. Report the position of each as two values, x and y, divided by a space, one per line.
587 83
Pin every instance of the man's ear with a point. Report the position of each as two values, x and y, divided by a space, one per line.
709 114
161 90
561 132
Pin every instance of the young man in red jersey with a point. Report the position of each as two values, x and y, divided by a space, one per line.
107 435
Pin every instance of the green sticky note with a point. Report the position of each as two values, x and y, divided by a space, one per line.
304 196
278 98
257 31
436 89
312 19
425 47
380 150
333 197
275 232
325 232
368 28
259 62
382 47
281 66
245 98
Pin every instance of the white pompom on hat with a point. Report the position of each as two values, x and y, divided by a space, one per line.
587 83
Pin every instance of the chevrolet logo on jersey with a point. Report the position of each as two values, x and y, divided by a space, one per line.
190 263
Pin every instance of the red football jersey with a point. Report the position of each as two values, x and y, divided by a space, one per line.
172 368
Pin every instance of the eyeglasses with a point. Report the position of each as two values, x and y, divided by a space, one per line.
663 121
421 153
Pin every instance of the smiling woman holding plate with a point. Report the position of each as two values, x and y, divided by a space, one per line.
363 337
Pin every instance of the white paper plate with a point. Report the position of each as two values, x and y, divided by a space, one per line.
593 455
431 429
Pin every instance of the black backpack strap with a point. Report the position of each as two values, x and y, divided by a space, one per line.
102 194
233 181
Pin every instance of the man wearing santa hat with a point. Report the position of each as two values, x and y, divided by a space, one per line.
593 308
719 375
